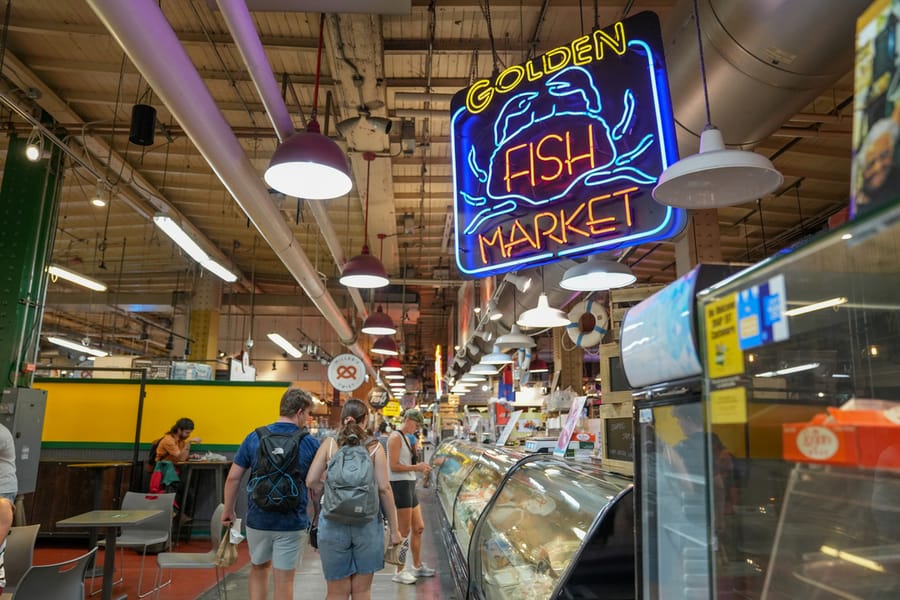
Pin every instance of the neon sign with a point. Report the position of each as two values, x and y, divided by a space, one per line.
557 157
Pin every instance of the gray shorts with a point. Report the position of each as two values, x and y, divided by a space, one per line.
283 548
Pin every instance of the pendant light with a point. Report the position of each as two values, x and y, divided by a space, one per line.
597 274
482 369
386 346
539 366
308 164
364 270
715 176
515 339
495 358
543 315
392 365
379 323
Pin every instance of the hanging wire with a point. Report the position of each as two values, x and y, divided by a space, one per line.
596 15
486 11
369 159
799 206
315 106
762 227
581 15
702 63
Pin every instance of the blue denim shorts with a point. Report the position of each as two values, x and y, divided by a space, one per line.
347 550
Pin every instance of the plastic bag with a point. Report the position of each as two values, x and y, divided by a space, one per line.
396 554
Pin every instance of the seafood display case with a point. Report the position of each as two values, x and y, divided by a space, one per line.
545 528
802 386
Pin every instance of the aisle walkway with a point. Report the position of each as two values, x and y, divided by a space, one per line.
310 585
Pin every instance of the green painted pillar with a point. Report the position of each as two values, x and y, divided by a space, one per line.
29 205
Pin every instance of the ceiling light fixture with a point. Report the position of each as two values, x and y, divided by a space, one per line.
543 315
522 282
715 176
186 243
308 164
597 274
76 346
395 376
473 378
391 365
34 146
495 358
364 270
284 344
379 323
481 369
802 310
515 339
99 197
539 366
386 346
82 280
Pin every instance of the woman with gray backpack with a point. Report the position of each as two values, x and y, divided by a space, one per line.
349 478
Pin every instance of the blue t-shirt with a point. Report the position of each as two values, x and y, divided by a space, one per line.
246 458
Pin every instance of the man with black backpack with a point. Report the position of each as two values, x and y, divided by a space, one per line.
278 457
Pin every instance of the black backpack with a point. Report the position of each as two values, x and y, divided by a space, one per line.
151 457
276 484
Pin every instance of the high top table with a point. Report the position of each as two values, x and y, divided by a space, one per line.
110 520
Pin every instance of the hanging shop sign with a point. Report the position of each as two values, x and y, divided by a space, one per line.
557 157
378 397
346 372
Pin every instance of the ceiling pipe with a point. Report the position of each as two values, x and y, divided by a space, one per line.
243 32
145 35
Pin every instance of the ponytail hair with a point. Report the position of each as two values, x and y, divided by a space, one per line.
353 416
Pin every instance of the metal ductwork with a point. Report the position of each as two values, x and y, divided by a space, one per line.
765 61
149 41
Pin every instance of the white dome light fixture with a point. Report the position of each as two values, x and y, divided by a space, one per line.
597 274
543 315
515 339
496 358
715 176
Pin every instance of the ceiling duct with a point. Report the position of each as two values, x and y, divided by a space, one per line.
764 61
382 7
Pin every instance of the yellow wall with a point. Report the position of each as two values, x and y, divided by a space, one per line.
106 412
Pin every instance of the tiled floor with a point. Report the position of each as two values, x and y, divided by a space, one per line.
309 583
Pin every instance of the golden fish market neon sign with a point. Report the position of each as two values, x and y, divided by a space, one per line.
557 157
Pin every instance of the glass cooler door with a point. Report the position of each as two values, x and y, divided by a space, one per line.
672 507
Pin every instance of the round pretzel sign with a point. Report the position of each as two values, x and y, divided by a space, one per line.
346 372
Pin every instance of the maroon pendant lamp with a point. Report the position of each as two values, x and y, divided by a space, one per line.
364 270
308 164
379 323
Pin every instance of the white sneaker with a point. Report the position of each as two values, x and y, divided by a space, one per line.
404 576
423 571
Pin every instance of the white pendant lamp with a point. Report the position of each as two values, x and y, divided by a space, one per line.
481 369
597 274
308 164
496 357
715 177
515 339
543 315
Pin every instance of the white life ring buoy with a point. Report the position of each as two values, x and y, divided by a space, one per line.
588 323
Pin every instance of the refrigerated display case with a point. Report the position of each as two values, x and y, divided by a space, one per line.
803 389
544 528
660 354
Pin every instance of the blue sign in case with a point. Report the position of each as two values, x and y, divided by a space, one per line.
557 157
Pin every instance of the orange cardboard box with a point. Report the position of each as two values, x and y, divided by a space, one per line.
871 442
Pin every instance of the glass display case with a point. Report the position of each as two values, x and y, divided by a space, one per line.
555 529
467 477
803 394
534 526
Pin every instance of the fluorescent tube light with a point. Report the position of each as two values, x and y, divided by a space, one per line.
802 310
218 270
284 344
82 280
180 237
76 346
789 370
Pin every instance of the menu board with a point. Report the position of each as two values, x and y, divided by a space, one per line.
619 438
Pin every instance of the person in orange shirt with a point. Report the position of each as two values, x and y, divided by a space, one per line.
175 446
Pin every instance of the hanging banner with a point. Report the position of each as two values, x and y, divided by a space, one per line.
557 157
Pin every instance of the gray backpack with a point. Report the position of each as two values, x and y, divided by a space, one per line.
351 495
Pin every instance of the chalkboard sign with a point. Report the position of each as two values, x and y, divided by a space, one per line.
619 439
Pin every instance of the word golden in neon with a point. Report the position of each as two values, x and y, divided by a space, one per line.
581 51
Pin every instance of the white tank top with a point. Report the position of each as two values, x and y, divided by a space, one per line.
405 459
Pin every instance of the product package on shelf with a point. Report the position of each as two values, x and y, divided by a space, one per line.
867 438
